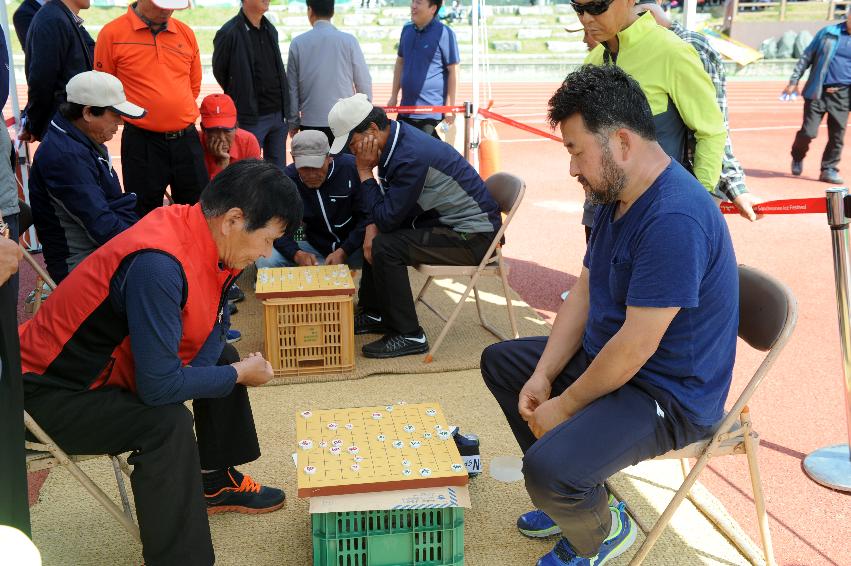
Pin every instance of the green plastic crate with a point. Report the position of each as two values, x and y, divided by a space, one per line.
398 537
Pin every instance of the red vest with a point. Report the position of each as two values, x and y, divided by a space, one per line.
78 339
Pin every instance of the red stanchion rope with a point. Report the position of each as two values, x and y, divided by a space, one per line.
500 118
422 109
786 206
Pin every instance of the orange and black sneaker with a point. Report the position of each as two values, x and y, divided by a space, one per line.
230 491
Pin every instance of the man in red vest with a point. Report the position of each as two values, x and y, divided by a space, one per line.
137 329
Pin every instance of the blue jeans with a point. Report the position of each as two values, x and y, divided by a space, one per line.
271 133
354 261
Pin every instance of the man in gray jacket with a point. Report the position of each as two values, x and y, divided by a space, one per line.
325 65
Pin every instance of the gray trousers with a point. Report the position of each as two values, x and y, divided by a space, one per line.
565 469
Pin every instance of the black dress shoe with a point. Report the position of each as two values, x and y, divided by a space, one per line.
395 345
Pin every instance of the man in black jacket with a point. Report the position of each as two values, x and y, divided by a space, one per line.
247 64
23 16
58 48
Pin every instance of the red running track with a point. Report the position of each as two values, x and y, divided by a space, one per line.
800 407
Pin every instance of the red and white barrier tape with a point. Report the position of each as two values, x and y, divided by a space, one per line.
786 206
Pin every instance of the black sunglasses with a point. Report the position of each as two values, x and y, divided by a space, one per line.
594 8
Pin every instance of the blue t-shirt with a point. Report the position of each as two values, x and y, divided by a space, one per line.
839 70
426 54
671 249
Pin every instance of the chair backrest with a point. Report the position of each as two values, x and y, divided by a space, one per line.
767 307
505 188
768 312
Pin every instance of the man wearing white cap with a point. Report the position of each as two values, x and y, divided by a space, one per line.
431 207
77 201
334 218
156 58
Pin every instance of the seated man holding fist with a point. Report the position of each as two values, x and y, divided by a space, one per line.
136 330
335 217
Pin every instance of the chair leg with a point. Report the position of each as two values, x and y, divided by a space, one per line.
686 467
122 487
751 446
423 290
669 511
81 477
483 321
430 356
512 316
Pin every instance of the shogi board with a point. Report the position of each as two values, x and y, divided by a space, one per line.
317 281
371 449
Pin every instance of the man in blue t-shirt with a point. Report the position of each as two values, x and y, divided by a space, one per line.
426 67
641 353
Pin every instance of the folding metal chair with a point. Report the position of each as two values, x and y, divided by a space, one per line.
508 192
45 454
768 313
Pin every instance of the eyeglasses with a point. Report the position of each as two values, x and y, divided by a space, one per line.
594 8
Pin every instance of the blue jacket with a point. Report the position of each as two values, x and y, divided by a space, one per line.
818 54
57 48
22 18
77 201
334 214
426 183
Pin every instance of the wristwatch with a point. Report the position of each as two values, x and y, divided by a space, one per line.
4 228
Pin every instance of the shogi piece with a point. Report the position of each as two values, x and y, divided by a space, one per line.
309 319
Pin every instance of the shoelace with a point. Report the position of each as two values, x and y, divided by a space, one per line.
396 342
249 484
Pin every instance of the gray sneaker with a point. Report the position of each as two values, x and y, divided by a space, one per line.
831 176
797 167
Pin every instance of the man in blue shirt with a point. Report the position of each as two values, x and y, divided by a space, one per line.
640 357
334 218
427 206
426 67
826 92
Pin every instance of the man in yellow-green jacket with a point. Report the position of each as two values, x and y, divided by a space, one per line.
669 71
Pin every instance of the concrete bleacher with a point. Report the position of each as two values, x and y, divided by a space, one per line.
524 42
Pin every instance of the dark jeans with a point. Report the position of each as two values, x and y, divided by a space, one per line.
385 287
835 105
150 163
166 459
427 125
14 508
565 469
271 133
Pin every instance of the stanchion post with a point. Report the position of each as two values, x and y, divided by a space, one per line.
468 113
831 465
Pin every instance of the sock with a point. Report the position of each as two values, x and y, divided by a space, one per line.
214 480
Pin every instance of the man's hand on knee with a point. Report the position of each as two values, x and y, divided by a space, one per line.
535 392
253 370
549 415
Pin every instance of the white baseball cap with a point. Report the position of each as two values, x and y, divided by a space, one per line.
94 88
171 4
344 116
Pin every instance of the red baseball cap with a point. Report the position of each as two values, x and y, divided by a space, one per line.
218 111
